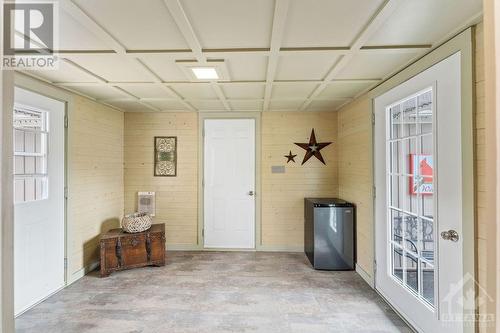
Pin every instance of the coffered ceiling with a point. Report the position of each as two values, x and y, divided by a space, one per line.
293 55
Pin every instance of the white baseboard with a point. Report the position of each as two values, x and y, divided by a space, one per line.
367 277
82 272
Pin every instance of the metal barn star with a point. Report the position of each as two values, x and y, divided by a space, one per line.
313 148
290 157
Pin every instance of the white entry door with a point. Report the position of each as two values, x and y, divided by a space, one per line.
229 183
39 198
419 172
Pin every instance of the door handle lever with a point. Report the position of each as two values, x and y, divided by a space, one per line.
451 235
251 193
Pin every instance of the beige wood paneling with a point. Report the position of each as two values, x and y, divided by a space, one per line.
95 173
356 174
283 194
480 168
176 197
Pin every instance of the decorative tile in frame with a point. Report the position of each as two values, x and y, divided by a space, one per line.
165 156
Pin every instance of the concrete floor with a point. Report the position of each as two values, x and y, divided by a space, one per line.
216 292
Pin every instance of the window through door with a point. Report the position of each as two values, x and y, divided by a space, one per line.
410 182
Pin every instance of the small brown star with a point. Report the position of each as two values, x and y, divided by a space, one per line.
313 148
290 157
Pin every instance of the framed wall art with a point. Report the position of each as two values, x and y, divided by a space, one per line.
165 156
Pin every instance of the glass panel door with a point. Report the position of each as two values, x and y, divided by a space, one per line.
410 184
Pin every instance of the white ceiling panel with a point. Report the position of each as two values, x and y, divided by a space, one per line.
341 89
100 92
245 105
165 67
130 106
74 36
247 67
118 69
327 22
65 73
232 29
374 66
195 91
145 24
208 105
325 105
147 91
411 23
292 90
231 23
168 105
244 90
277 105
304 66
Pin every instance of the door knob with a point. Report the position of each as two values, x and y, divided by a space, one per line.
251 193
451 235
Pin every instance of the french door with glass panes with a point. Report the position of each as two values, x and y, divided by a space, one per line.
419 197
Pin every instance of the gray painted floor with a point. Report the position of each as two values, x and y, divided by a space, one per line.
216 292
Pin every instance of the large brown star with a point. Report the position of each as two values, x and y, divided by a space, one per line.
313 148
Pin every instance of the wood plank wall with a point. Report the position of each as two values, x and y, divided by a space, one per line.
283 194
356 174
95 173
176 197
480 167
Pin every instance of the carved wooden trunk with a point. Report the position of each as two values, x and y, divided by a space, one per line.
121 250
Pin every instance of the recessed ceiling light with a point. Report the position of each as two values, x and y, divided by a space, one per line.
205 73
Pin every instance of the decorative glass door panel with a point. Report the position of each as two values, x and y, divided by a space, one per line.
410 184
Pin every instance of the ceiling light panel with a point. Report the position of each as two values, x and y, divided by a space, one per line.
205 73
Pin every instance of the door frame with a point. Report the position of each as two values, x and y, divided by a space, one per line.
463 43
27 83
202 116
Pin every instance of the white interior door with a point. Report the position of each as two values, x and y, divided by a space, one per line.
229 183
418 178
38 197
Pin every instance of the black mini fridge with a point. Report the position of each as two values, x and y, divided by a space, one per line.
329 233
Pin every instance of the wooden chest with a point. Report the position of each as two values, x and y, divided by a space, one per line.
121 250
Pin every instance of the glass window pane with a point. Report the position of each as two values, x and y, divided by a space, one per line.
425 112
396 122
427 276
411 233
397 227
411 271
409 149
396 186
396 157
397 262
409 110
427 246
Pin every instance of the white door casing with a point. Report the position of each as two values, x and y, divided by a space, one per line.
229 183
444 80
39 234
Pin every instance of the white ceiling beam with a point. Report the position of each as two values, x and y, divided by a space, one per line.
179 15
381 16
157 81
185 27
278 30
